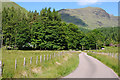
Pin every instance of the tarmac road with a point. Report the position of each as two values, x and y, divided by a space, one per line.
90 67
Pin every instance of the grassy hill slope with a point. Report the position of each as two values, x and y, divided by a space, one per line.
13 4
93 17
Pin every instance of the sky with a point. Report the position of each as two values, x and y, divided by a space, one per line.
110 7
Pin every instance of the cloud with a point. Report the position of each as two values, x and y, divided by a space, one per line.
87 2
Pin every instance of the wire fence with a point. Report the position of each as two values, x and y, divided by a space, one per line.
25 62
114 55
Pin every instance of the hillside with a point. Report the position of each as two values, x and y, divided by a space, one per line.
90 17
13 4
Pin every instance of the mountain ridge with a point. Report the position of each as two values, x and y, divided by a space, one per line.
89 17
13 4
94 17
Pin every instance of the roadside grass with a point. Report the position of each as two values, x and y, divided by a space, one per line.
107 60
107 50
57 67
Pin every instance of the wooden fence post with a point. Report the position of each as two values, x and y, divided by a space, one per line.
40 59
50 56
37 60
47 56
31 60
116 55
54 54
1 68
24 62
58 54
15 64
112 55
44 57
61 53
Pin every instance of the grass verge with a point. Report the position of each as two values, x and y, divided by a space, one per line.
107 50
56 67
107 60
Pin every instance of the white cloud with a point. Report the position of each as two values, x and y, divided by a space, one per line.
87 2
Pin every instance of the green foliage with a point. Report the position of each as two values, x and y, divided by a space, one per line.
44 31
101 37
47 31
84 29
106 36
14 24
110 35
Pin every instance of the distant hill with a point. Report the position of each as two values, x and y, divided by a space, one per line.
72 19
90 17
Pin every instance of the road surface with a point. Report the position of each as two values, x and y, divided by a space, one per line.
90 67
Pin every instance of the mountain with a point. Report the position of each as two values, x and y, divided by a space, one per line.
89 17
13 4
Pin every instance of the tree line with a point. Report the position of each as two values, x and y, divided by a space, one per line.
45 30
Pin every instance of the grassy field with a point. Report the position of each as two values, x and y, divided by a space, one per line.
58 66
108 50
107 60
